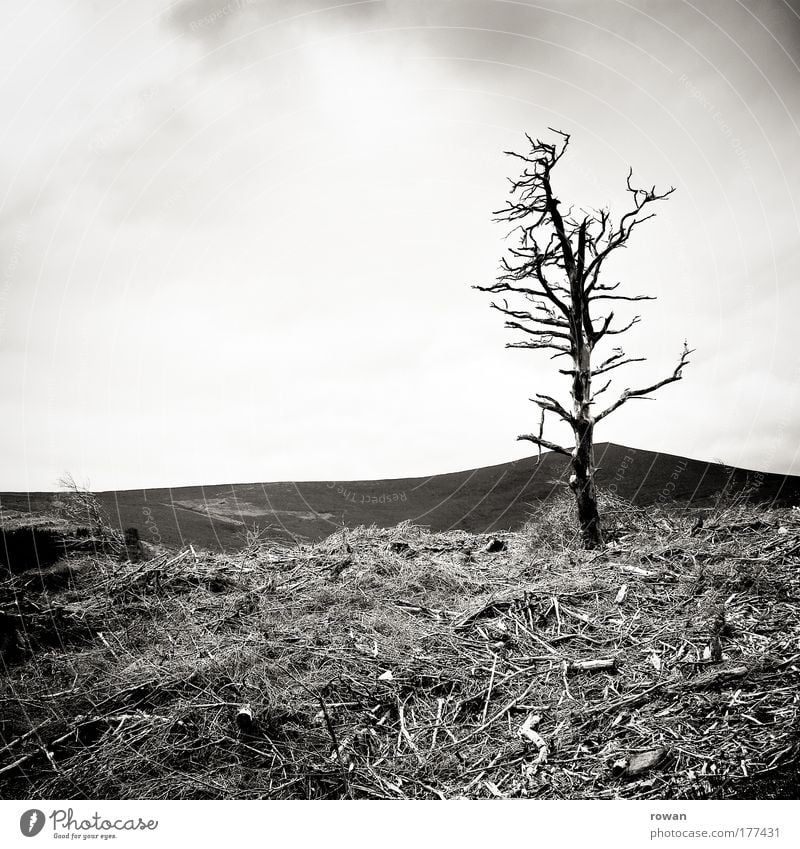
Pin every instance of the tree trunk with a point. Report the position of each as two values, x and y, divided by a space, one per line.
582 479
582 483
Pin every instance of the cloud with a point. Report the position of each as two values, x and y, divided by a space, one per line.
250 230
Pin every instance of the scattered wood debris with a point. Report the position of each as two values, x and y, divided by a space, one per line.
386 664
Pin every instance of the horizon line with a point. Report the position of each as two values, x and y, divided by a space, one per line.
604 445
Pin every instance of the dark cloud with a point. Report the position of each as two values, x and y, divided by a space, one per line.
217 22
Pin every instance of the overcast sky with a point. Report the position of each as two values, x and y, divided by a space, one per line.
237 240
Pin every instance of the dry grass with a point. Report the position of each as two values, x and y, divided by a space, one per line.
404 664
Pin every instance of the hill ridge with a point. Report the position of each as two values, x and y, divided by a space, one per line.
479 500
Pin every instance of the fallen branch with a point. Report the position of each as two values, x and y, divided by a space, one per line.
404 732
527 732
711 679
599 665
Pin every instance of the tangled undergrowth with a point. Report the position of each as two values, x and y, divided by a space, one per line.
406 664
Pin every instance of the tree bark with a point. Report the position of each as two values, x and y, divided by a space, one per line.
582 479
583 486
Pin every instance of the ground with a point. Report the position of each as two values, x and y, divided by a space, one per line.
399 663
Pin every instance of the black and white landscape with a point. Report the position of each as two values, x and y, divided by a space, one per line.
399 400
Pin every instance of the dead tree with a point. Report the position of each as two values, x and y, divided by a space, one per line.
554 274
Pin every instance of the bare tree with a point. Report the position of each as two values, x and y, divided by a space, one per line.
555 269
80 505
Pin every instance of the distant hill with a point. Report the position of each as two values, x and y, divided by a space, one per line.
478 500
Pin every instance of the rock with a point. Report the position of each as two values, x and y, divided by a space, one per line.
244 717
641 762
133 545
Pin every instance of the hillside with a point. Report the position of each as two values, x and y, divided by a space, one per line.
400 663
481 500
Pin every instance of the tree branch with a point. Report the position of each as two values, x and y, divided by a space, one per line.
619 236
547 334
602 369
524 315
641 393
606 331
599 391
547 403
562 349
622 298
544 443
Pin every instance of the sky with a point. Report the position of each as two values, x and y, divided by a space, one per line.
238 240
